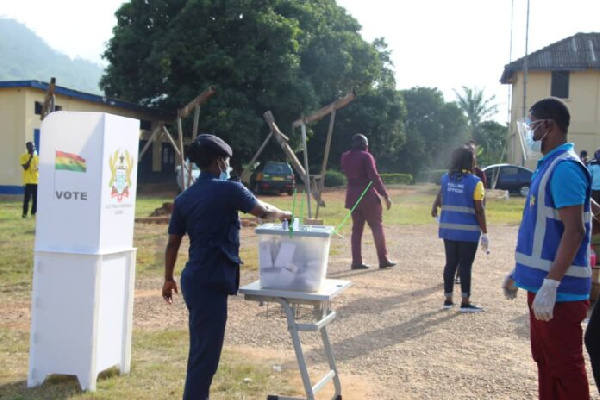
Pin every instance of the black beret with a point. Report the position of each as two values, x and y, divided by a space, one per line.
215 144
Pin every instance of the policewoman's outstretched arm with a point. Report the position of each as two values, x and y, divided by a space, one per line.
264 210
170 285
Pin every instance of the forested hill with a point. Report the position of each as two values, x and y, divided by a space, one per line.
25 56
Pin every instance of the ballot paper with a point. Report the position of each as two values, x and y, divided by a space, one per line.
285 255
264 255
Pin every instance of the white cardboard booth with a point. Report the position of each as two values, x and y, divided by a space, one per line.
84 263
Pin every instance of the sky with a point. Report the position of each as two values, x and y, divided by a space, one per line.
434 43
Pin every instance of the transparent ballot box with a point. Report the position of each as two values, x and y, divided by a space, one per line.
294 260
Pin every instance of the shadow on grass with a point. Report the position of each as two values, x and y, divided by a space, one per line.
54 387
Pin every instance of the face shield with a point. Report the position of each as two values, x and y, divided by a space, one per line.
529 144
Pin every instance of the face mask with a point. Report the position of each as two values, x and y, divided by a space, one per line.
225 173
532 146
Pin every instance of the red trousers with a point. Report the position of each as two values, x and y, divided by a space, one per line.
556 347
369 212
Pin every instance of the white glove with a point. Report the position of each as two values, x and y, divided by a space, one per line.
485 243
510 290
545 299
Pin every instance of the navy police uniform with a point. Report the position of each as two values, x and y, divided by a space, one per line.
208 213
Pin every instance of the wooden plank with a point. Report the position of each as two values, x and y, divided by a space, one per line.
246 173
325 159
283 142
158 129
49 100
181 155
198 101
190 177
336 105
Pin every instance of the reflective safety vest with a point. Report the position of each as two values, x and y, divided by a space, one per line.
541 231
458 221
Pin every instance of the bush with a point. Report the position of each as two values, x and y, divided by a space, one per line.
334 178
431 176
397 179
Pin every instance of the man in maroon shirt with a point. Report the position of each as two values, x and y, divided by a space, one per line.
359 167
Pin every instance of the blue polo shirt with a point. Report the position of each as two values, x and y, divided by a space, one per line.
568 186
208 213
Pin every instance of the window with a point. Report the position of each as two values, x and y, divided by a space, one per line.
510 171
560 84
38 107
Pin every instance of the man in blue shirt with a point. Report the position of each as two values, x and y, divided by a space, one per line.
552 262
208 213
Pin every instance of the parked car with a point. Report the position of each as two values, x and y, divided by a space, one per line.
273 176
195 175
514 178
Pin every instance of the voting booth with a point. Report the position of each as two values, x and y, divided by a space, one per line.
84 263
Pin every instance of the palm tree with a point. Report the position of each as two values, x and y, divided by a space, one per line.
476 107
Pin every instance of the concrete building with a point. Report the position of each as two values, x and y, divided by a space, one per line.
568 69
21 104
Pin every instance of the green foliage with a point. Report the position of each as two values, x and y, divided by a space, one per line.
287 56
25 56
397 179
433 129
334 178
491 139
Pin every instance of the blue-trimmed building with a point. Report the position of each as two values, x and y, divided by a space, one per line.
21 104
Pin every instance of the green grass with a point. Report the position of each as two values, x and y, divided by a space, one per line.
157 372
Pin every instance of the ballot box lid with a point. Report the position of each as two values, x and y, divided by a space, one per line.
304 231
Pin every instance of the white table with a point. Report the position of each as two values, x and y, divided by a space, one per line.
329 290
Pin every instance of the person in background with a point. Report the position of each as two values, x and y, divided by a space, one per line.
30 163
359 167
594 168
552 260
208 213
462 224
583 155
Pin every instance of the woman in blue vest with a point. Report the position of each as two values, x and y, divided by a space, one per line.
462 224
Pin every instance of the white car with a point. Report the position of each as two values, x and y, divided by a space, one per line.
195 175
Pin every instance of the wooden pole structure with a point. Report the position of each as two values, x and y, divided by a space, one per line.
190 178
49 100
171 140
325 159
317 115
283 142
156 131
181 155
307 178
198 101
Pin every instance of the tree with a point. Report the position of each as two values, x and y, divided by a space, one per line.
433 129
475 106
491 138
286 56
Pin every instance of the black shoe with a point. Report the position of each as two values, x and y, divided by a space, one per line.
24 216
359 266
387 264
448 304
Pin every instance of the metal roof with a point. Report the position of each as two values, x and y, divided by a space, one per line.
578 52
94 98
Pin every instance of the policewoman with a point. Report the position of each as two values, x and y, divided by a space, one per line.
208 213
462 224
552 263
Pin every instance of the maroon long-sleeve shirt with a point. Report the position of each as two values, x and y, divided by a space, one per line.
359 168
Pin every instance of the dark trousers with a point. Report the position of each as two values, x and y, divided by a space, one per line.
462 253
557 348
30 194
207 317
371 214
592 343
